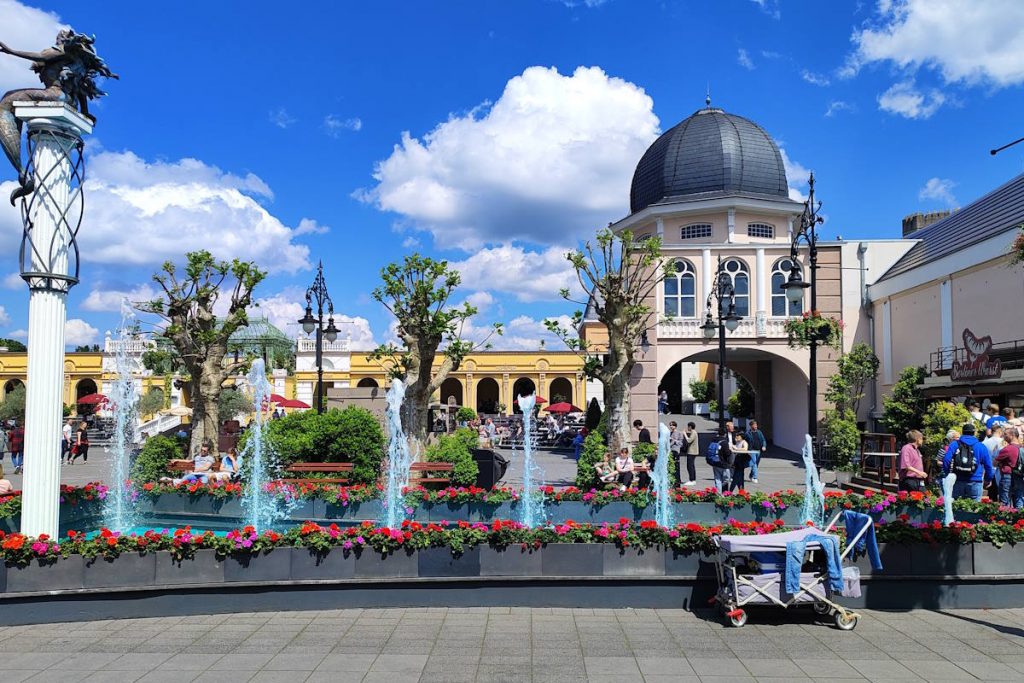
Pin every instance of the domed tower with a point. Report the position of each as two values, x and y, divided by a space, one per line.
710 154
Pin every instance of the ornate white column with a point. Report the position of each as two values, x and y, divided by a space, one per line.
761 276
49 265
707 272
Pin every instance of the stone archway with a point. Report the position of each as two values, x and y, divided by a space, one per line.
12 384
368 383
524 386
778 381
487 396
560 390
451 390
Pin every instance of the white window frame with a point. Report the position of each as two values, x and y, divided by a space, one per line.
792 310
742 269
678 297
767 228
697 231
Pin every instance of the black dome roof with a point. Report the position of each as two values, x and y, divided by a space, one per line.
711 153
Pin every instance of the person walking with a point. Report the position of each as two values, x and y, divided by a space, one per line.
723 461
970 461
643 434
81 445
663 402
3 441
66 440
691 446
741 458
1011 463
16 442
911 465
676 444
757 445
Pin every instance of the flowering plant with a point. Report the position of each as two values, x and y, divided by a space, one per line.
813 326
1017 248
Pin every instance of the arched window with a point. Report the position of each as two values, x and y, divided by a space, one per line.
680 289
780 305
739 275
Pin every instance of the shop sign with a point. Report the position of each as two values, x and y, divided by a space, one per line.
977 364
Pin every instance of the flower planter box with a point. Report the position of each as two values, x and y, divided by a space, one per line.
10 525
441 562
229 507
128 569
613 512
688 563
273 566
204 567
990 560
488 512
578 511
568 559
359 511
310 566
632 561
511 561
698 513
61 574
941 560
448 512
372 565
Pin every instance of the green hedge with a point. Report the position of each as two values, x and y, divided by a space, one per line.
151 463
455 448
350 435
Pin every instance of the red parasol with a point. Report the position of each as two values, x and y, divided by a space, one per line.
277 398
92 399
291 403
563 408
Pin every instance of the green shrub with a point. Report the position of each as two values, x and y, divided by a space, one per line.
350 435
151 463
233 402
939 418
455 448
152 401
903 409
465 414
702 390
841 433
592 453
13 406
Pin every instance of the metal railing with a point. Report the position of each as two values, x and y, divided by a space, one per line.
690 328
1010 354
309 345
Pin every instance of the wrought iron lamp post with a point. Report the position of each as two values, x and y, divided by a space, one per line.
794 288
318 292
727 320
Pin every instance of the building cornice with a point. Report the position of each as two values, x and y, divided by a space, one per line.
780 207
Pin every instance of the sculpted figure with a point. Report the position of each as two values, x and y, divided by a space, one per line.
68 72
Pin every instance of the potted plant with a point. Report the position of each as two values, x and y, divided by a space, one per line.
813 326
1017 248
702 390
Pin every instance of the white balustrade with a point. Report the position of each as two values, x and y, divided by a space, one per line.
690 328
309 345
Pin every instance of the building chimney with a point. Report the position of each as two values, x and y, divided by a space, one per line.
917 221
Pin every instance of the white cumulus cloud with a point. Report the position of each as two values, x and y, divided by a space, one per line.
100 299
744 60
549 161
906 100
78 332
335 125
281 118
13 281
939 189
284 309
5 319
528 275
145 212
25 28
797 176
836 106
969 41
814 78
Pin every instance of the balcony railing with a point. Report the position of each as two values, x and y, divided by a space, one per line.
131 347
309 346
758 326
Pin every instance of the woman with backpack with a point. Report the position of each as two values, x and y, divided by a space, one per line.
1011 465
912 474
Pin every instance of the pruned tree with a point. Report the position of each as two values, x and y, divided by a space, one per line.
417 291
617 276
199 336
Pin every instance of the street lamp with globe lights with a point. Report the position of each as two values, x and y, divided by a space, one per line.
727 320
794 288
318 292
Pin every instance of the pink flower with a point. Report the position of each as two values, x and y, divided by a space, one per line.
347 545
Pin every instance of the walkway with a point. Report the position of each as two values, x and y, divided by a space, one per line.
509 645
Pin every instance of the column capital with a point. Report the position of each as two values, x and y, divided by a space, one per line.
54 113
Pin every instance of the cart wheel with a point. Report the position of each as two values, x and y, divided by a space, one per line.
737 618
846 621
822 608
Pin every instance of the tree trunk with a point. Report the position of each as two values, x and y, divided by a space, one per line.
615 376
206 387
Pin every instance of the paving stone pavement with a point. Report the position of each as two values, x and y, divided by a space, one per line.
519 644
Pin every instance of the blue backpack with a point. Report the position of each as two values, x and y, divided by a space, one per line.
711 457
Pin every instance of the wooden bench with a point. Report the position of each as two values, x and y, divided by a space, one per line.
180 466
424 467
336 468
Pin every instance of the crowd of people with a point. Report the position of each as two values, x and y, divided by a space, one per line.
74 443
985 455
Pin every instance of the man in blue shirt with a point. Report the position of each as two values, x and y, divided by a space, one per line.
993 417
970 485
757 445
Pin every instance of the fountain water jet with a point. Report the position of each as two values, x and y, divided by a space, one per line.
531 505
119 507
660 477
261 507
399 458
813 509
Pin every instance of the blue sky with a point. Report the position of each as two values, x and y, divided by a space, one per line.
278 135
